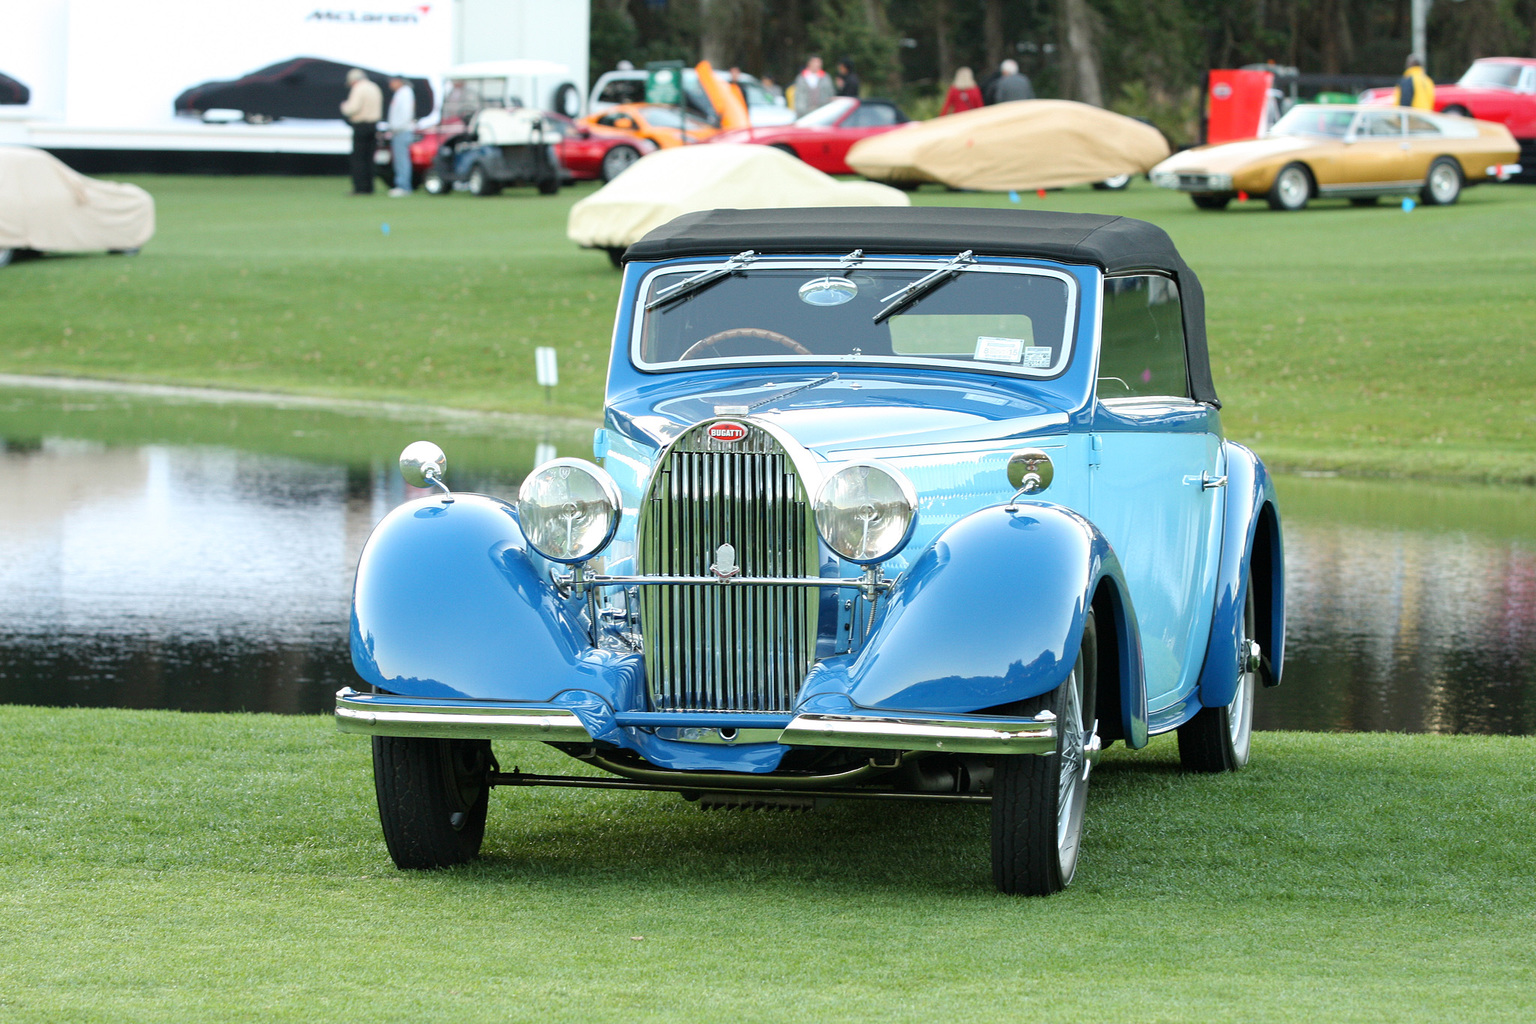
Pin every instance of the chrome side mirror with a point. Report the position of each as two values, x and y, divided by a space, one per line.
1030 471
422 464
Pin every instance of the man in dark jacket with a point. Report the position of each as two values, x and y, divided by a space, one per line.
847 78
1011 85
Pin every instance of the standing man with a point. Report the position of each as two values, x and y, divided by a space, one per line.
847 79
813 88
1415 89
1011 85
402 128
363 108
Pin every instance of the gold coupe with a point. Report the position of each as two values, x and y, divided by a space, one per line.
1353 152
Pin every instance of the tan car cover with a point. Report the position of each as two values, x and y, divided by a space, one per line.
1025 144
716 176
45 205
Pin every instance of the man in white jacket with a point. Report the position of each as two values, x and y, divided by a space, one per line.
402 127
362 108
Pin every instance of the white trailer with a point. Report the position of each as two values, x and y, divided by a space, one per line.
104 74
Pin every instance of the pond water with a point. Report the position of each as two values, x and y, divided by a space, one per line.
200 558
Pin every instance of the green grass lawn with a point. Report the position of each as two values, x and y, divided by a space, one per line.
163 866
1363 340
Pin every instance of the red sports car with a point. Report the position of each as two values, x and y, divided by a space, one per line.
1499 89
822 137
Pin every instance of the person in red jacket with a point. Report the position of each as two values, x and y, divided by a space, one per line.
963 95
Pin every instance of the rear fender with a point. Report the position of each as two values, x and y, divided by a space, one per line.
448 603
989 613
1251 549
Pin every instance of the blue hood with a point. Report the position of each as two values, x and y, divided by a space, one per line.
853 413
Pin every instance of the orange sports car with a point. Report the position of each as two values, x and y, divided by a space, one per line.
1353 152
665 126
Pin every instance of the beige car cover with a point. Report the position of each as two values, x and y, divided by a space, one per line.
713 176
46 206
1025 144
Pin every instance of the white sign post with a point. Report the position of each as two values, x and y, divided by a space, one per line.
546 371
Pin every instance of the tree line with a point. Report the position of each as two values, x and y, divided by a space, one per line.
1142 57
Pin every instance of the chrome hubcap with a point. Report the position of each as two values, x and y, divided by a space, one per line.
1293 188
1442 182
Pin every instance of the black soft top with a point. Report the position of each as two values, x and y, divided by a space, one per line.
1114 244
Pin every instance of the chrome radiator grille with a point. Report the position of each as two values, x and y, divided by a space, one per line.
730 647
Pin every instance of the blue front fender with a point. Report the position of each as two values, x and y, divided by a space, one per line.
1250 548
449 604
989 613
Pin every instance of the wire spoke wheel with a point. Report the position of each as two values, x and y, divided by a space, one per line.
1038 800
1220 739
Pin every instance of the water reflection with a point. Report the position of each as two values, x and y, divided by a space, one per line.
1406 631
207 576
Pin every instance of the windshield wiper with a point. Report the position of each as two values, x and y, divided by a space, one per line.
683 289
923 285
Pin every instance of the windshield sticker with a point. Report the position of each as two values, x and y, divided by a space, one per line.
828 291
1000 350
1037 357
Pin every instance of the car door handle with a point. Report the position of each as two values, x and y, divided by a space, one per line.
1206 481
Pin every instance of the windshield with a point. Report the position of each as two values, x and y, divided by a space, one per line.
1484 74
999 319
1329 122
829 114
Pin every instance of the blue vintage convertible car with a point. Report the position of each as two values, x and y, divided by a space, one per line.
924 504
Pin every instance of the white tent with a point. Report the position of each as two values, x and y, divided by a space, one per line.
686 179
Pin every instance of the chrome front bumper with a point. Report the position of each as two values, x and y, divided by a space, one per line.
381 714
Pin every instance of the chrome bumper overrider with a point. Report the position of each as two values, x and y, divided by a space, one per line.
388 715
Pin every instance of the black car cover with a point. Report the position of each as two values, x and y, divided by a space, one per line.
12 92
301 87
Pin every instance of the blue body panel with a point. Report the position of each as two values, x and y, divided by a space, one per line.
937 647
1249 493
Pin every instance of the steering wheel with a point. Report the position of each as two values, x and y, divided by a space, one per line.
696 350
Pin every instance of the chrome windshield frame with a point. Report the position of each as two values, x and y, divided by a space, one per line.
833 264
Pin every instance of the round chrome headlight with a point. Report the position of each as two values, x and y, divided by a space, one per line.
865 511
569 509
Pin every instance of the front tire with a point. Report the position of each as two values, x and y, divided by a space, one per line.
480 183
1292 188
1210 202
433 796
1038 799
1442 186
434 185
1115 184
1219 739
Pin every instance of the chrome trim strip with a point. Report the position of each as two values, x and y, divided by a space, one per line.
383 714
955 736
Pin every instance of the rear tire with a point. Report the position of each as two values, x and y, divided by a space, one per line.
1458 110
434 185
1219 739
1292 188
433 796
1038 799
1442 186
618 160
784 147
1116 184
